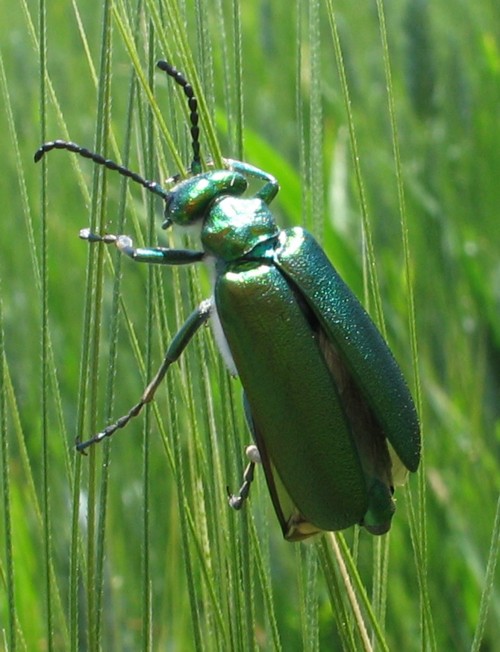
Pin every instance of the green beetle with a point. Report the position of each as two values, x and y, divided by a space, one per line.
333 421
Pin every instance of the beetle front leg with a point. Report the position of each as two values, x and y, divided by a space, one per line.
271 186
181 339
155 255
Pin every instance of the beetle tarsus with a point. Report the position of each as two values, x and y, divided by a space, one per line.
81 446
107 238
236 501
117 425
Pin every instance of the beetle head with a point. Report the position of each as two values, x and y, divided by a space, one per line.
189 200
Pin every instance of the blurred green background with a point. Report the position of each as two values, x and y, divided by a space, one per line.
134 547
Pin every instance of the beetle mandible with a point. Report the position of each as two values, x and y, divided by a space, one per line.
331 416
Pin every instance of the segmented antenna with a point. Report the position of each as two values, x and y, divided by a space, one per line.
152 186
179 78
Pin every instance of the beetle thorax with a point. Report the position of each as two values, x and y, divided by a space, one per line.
236 225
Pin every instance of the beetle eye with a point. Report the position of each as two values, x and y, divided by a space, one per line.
167 221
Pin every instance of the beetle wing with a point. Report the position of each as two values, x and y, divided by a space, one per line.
300 425
371 443
352 333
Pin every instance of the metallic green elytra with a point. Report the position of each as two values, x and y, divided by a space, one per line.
332 419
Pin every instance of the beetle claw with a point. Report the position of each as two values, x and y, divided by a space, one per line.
235 501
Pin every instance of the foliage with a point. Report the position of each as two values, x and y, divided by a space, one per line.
380 121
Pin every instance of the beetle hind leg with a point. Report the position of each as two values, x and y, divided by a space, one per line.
237 500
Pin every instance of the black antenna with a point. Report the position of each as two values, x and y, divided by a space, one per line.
179 78
152 186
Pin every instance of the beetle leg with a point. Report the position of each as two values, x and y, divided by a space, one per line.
155 255
181 339
236 500
270 188
252 452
